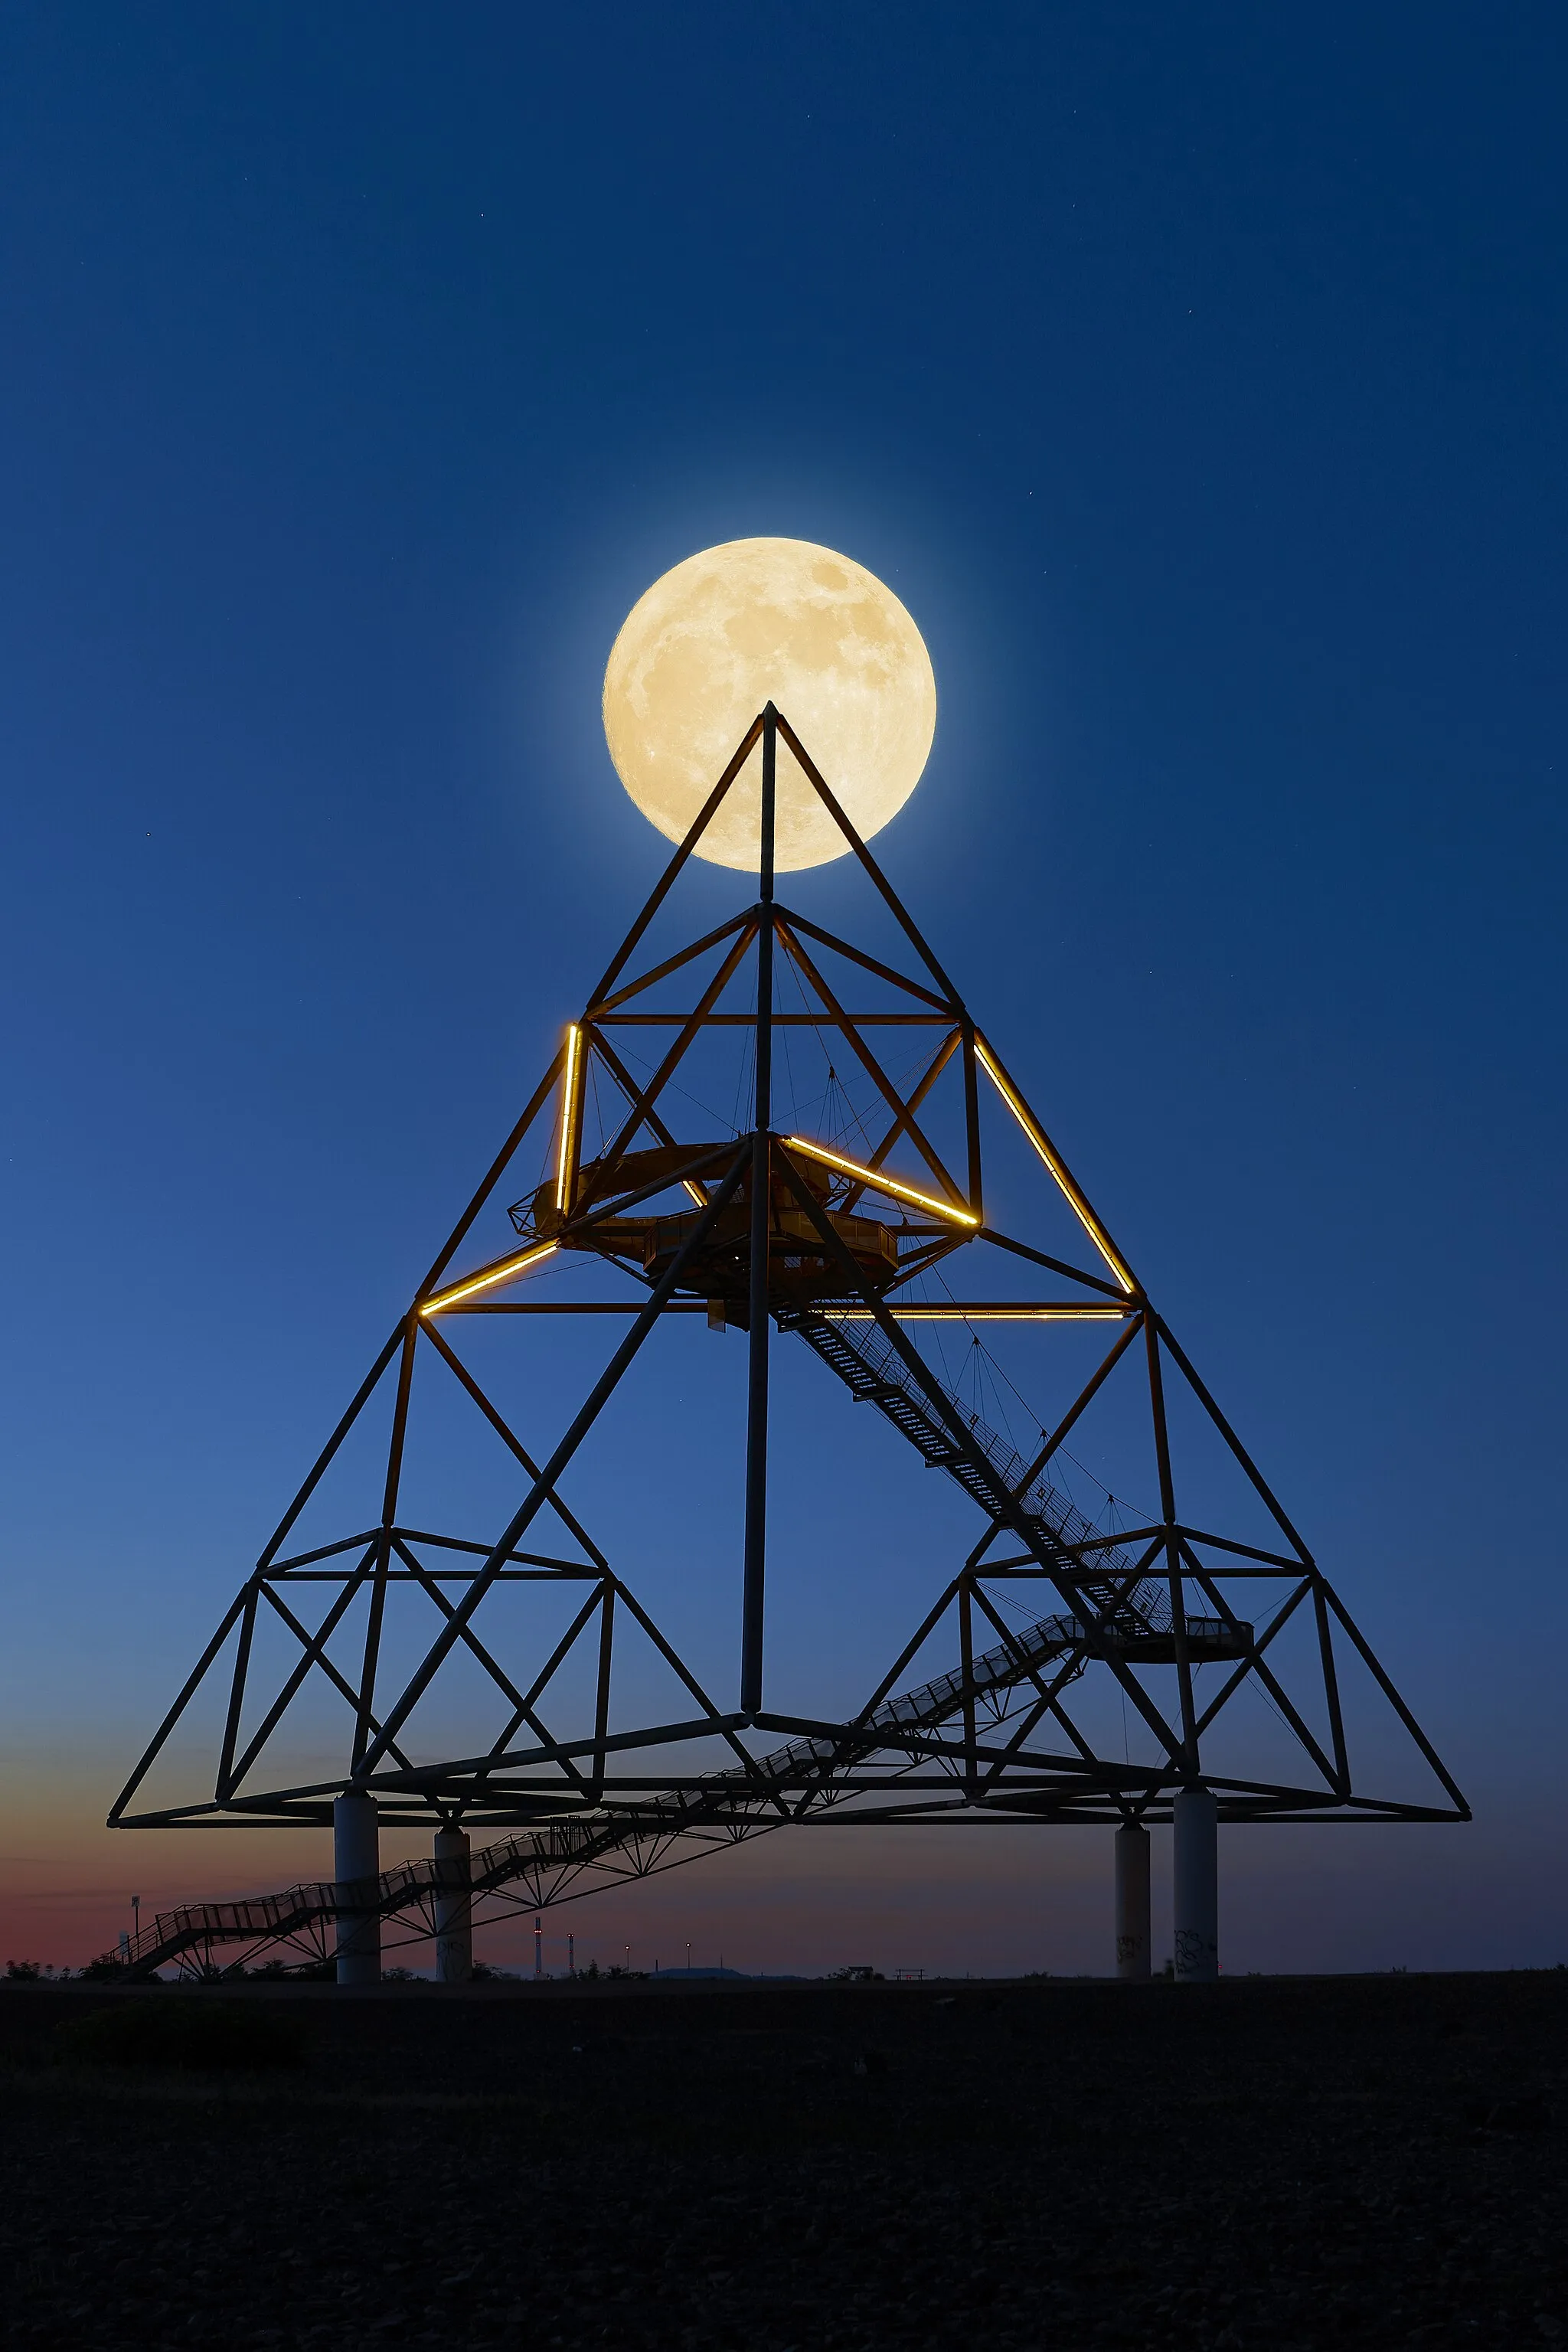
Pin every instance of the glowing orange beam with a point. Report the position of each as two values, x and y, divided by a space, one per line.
979 1313
1042 1143
505 1271
564 1170
879 1182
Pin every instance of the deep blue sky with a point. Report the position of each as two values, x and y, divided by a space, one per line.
1195 376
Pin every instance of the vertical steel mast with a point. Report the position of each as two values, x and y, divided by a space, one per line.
759 1326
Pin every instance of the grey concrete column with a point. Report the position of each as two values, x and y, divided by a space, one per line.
454 1911
356 1863
1195 1817
1133 1903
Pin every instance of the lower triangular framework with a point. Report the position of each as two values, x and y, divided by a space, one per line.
1079 1658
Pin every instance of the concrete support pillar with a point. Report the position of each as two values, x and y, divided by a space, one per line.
1196 1820
356 1863
1133 1903
454 1911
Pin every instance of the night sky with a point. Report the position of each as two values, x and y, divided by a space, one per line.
1196 379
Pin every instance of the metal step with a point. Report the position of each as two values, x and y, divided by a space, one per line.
877 1374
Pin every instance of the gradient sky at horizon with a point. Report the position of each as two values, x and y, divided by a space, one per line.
1196 379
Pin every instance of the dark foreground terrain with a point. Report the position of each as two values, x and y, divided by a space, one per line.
1263 2164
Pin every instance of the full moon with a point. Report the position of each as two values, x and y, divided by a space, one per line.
707 646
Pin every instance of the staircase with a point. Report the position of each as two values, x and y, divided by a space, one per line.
575 1842
987 1468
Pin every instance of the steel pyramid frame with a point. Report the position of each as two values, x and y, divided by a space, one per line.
780 1233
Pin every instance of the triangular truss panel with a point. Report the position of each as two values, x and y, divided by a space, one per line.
779 1132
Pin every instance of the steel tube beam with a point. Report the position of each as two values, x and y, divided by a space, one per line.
760 1329
668 879
544 1485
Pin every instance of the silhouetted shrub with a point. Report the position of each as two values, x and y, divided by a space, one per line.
211 2036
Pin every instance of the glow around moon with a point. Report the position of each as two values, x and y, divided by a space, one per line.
708 645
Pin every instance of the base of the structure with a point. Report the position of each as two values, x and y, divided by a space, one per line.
1133 1903
454 1911
1195 1817
356 1865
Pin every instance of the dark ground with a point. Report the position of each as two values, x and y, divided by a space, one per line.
1265 2163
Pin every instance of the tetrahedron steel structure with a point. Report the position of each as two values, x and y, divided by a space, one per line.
1071 1663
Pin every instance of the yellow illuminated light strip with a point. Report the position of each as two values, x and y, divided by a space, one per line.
505 1271
878 1181
979 1313
563 1169
1076 1200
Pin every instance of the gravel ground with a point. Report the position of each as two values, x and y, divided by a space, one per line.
1267 2163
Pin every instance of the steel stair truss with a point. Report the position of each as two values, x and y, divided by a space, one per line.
573 1857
